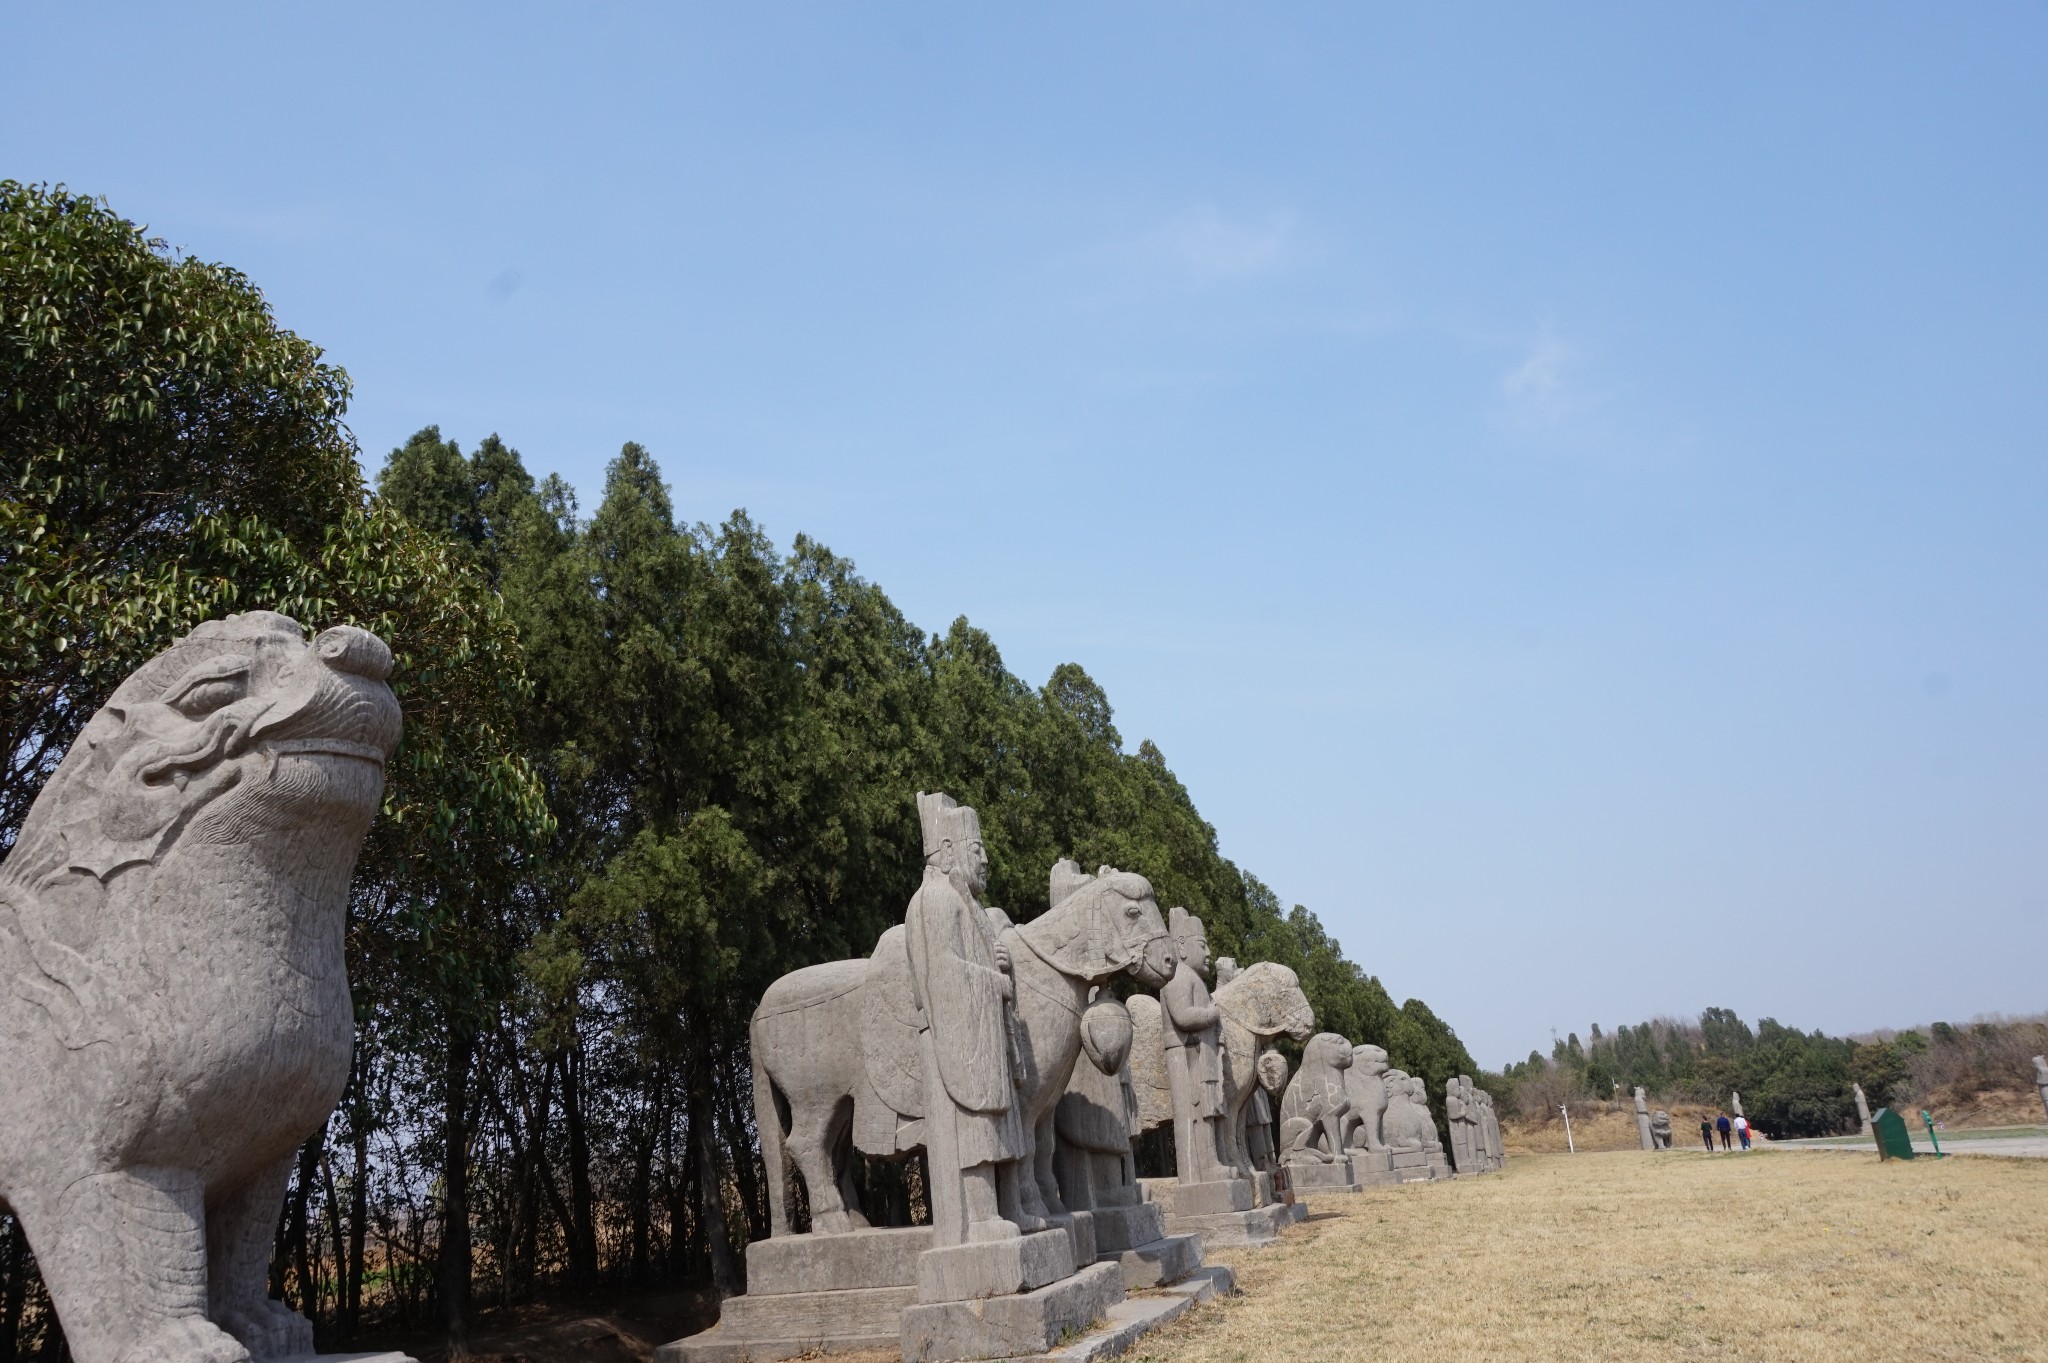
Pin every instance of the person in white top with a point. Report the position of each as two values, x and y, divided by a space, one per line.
1742 1130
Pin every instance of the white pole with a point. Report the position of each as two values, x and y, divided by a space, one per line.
1568 1129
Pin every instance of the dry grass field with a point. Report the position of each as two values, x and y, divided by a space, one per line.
1775 1255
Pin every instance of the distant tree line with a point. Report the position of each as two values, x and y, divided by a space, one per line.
1792 1083
649 765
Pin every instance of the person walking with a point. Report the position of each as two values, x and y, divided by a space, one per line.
1724 1126
1707 1133
1742 1130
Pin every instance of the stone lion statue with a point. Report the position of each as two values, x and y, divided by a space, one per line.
174 1006
1313 1109
1407 1124
1660 1130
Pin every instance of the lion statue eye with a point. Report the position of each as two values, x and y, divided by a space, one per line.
221 681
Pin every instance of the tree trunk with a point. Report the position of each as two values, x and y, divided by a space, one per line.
583 1227
358 1231
454 1274
13 1283
711 1192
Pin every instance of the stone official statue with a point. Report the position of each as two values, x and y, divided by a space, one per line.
1467 1149
962 986
1194 1058
2041 1079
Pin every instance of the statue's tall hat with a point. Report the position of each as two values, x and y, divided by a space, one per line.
943 817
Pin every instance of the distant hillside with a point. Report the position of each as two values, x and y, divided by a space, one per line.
1792 1083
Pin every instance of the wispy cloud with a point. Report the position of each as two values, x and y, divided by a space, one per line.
1544 388
1210 246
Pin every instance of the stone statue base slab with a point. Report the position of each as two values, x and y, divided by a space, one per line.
1081 1234
994 1268
1159 1263
1123 1324
1372 1167
1311 1176
813 1294
1020 1325
1121 1228
1257 1226
1203 1199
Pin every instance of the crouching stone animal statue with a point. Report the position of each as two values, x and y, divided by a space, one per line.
174 1007
1313 1111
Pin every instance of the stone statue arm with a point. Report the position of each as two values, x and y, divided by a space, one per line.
1189 1007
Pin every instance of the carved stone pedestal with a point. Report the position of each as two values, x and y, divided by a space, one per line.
1224 1212
1013 1325
1136 1239
828 1293
1082 1236
995 1268
1418 1166
1370 1167
1311 1177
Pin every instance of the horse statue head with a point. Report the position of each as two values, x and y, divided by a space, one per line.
1101 926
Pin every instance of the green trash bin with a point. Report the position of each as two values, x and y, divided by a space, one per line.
1893 1142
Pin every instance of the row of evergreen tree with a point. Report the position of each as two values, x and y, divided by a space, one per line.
649 765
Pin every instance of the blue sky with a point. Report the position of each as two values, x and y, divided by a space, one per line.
1565 488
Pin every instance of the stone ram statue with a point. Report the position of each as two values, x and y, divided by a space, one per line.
174 1007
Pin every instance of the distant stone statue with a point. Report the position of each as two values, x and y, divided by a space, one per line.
1469 1154
1226 970
1313 1110
1490 1126
1365 1082
1261 1145
1643 1120
1263 1001
1407 1123
174 1005
1863 1109
2041 1079
1660 1130
1735 1102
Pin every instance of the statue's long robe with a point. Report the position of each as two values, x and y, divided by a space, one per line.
953 968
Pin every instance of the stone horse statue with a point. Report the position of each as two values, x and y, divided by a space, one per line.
174 1005
835 1045
1257 1004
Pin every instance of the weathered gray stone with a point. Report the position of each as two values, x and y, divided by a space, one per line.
825 1293
1735 1103
1863 1106
1660 1130
1312 1112
1365 1084
1123 1324
1092 1158
174 1006
1261 1135
1022 1323
2041 1079
1489 1127
853 1033
1643 1120
1261 1002
1468 1145
994 1268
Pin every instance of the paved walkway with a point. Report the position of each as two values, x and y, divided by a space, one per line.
2010 1142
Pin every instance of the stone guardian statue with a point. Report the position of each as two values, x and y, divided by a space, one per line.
2041 1079
174 1007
